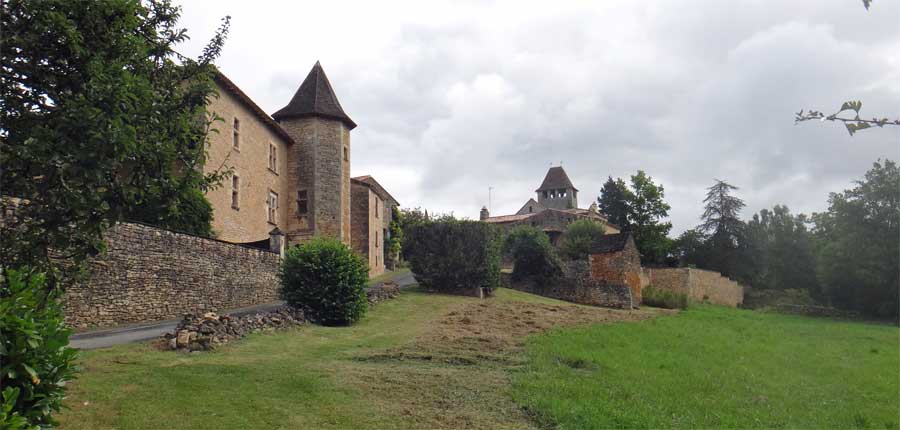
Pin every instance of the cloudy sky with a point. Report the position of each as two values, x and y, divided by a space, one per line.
454 97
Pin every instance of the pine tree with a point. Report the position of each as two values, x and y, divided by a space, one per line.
721 221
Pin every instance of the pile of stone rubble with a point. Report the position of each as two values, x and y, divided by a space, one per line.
380 293
204 332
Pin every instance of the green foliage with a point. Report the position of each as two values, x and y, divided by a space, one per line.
102 121
533 255
35 360
725 244
394 243
662 298
580 237
780 251
325 279
614 202
856 244
639 210
449 255
648 208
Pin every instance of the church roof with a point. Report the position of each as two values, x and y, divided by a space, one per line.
315 98
533 203
556 179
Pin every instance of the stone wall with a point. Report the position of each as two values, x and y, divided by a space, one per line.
579 286
698 285
620 267
150 274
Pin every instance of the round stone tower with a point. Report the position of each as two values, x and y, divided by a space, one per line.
318 161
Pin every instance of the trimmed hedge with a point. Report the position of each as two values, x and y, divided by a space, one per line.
533 255
325 279
661 298
452 256
35 359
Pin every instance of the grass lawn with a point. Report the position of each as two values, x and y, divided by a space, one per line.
713 367
435 361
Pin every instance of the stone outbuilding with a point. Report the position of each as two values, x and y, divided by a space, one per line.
370 219
616 260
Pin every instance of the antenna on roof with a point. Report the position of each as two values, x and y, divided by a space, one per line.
489 197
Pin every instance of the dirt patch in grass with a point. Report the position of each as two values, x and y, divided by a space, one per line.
457 373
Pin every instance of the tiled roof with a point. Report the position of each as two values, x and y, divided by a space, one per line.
370 182
508 218
611 243
315 98
556 179
236 92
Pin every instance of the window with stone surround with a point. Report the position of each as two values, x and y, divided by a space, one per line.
236 133
235 190
272 207
302 202
377 239
273 157
346 154
377 207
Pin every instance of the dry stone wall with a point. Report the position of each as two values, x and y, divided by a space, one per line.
579 286
699 285
150 274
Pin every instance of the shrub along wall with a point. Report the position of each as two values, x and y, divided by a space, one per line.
455 257
150 274
698 285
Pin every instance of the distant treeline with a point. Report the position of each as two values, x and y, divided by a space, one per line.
847 257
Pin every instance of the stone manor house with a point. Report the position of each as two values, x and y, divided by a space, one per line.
291 172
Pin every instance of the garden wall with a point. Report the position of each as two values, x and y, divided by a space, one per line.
698 285
579 286
150 274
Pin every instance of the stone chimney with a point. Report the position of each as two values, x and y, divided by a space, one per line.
485 214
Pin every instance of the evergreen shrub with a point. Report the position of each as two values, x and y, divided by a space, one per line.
325 279
451 255
533 255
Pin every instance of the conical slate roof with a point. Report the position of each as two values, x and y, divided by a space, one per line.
315 98
556 179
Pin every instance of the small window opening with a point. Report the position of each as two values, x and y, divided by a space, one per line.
236 133
272 207
302 202
235 189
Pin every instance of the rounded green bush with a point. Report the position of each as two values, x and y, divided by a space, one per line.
325 279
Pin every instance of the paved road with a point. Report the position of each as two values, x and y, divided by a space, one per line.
137 333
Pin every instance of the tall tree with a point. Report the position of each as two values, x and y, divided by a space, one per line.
780 250
647 210
614 202
101 120
856 243
721 221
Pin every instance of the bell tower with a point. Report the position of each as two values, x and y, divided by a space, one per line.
557 191
318 161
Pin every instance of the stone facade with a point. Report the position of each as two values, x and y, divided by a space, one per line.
619 267
318 168
296 161
248 221
371 217
150 274
698 285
